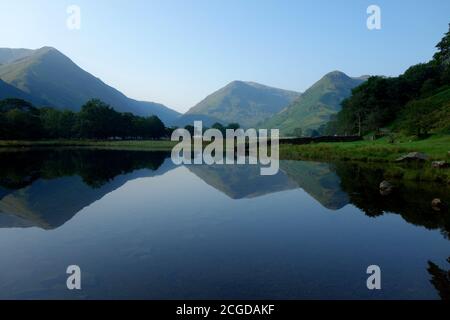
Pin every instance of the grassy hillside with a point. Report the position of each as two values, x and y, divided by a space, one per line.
431 114
49 75
8 55
315 107
8 91
383 152
246 103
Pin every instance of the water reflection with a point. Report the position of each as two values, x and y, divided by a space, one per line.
46 188
298 230
412 200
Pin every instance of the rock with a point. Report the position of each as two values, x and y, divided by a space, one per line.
413 156
386 188
438 205
439 164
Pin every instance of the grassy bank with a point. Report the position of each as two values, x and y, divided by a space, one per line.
437 147
159 145
382 154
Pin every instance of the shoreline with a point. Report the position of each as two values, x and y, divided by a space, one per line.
379 153
436 147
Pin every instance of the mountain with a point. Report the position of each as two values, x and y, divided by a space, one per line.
188 119
8 91
246 103
314 107
49 75
8 55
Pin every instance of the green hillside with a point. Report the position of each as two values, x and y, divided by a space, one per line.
246 103
414 103
7 91
315 107
427 114
8 55
49 75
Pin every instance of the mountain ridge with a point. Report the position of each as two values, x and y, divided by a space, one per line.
316 105
49 75
244 102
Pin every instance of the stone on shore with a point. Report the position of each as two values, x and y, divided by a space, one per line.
413 156
439 164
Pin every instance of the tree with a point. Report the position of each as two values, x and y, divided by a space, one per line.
442 56
20 120
153 128
58 124
97 120
219 127
191 129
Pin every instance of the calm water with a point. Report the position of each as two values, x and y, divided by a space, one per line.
140 227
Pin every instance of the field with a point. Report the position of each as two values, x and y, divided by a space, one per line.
436 147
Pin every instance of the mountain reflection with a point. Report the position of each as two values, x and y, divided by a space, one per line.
47 187
440 279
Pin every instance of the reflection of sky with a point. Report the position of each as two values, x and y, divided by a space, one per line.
174 236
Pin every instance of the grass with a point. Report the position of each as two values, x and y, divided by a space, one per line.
157 145
436 147
381 153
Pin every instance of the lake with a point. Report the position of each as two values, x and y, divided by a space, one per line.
140 227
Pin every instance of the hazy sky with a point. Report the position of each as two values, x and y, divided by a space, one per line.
177 52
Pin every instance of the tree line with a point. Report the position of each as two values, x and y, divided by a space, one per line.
20 120
417 102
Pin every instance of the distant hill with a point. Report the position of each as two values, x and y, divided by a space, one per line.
315 107
246 103
189 119
8 91
48 75
8 55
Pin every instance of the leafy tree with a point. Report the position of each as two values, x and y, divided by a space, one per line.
20 120
219 127
58 124
442 56
96 120
190 128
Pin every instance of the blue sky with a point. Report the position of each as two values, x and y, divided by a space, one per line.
178 51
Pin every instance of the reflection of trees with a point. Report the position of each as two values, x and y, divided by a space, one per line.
440 279
410 199
20 169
